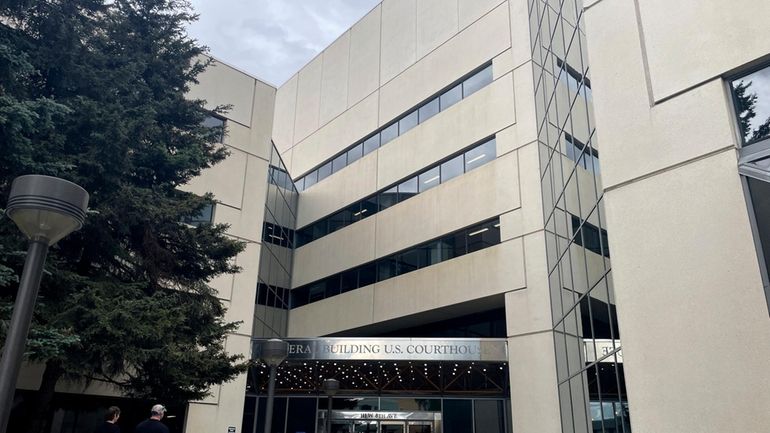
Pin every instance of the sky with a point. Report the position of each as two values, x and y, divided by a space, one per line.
273 39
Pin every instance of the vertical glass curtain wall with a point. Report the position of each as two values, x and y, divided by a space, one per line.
276 254
589 364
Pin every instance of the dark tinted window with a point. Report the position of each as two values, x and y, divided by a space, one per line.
480 155
367 274
340 220
483 236
349 280
387 268
388 198
457 416
407 189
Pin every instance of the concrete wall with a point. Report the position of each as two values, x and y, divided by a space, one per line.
689 293
239 184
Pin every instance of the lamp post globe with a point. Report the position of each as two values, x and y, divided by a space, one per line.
273 352
45 209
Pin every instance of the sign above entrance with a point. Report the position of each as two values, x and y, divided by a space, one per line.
393 349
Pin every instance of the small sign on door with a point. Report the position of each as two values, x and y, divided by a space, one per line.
231 429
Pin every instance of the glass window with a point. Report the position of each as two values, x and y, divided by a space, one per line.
751 95
349 280
369 207
311 179
388 198
480 155
429 179
387 268
332 285
477 81
451 97
457 416
355 212
324 171
204 216
407 189
367 275
489 416
407 122
355 153
429 109
388 133
408 261
452 168
300 184
218 123
453 245
316 291
339 162
304 236
339 220
483 236
371 143
320 229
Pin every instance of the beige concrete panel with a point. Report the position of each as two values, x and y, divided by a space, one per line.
532 371
483 273
340 133
644 139
709 301
348 310
244 289
502 64
529 310
691 41
287 158
220 84
225 180
525 130
399 38
347 186
521 47
471 10
436 22
285 113
334 79
476 117
308 99
262 120
530 217
469 49
364 74
450 206
246 222
352 246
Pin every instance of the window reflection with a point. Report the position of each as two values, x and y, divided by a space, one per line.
751 96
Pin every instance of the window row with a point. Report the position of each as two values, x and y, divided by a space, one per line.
423 112
456 244
278 235
590 237
439 173
279 177
586 157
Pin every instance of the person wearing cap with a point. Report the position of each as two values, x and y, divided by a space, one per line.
110 419
153 424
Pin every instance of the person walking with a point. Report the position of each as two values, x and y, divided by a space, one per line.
153 424
110 421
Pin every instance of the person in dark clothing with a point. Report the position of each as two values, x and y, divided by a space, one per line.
110 421
153 424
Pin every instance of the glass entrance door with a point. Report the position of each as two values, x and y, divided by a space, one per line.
392 427
420 427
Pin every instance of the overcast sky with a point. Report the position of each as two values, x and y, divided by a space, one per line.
273 39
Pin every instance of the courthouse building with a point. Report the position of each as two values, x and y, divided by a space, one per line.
486 216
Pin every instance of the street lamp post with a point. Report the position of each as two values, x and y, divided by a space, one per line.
274 351
45 209
330 387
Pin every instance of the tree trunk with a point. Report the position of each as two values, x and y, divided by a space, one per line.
40 420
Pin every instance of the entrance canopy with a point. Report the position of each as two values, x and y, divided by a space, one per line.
426 366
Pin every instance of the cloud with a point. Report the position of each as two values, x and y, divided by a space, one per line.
273 39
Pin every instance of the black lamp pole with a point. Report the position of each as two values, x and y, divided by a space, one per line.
45 209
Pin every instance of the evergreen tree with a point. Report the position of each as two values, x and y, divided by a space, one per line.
93 91
746 106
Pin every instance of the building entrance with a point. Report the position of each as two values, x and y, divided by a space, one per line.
381 422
